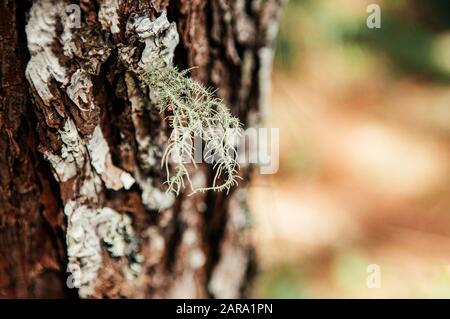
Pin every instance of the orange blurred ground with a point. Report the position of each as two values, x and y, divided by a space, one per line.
364 179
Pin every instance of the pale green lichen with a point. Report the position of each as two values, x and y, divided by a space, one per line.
195 112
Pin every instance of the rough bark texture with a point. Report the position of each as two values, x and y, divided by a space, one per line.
82 200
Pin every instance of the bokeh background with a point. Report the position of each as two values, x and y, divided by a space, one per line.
364 118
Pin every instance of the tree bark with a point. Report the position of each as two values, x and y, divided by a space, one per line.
82 194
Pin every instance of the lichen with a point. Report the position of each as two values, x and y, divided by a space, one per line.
195 113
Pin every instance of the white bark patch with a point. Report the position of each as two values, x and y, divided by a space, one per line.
87 228
227 276
71 159
80 90
89 189
113 177
152 197
62 170
98 149
160 37
127 180
44 64
108 15
156 245
197 259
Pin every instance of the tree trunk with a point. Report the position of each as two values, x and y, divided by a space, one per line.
82 194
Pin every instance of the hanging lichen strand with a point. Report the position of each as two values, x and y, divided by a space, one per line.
195 112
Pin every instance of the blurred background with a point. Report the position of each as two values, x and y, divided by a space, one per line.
364 118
